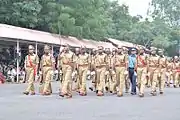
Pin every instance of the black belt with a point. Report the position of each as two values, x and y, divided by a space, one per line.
131 68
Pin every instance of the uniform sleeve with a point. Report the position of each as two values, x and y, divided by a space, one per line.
37 59
106 59
53 59
89 58
147 59
25 61
113 60
126 58
73 58
41 62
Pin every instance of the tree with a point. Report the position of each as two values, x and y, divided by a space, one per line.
167 10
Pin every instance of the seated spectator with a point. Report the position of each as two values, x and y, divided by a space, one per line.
22 76
11 74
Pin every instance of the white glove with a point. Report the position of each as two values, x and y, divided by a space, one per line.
40 72
88 72
159 75
60 72
56 71
135 74
107 72
93 73
113 72
167 73
126 72
73 74
52 72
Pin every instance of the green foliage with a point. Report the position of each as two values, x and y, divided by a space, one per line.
97 19
166 15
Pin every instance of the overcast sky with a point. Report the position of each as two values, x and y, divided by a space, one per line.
137 7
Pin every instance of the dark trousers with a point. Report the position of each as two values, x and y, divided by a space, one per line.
132 78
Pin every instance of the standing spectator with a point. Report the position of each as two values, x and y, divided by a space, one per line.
132 68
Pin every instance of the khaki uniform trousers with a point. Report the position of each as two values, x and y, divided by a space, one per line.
154 76
76 81
67 80
176 78
111 81
82 78
169 77
161 80
30 79
100 78
94 80
120 78
47 78
141 78
127 83
107 80
60 75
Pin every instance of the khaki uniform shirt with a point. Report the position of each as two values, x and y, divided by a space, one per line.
31 60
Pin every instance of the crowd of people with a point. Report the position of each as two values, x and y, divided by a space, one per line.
110 71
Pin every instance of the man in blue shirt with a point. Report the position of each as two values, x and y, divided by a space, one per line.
132 68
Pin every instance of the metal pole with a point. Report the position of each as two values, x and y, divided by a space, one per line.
36 54
59 33
179 48
17 61
36 48
52 50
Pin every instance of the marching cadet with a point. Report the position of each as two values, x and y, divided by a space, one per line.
120 65
101 67
47 67
127 81
83 65
142 70
61 51
113 51
67 60
107 73
176 72
75 75
169 72
93 70
163 69
31 65
111 75
154 70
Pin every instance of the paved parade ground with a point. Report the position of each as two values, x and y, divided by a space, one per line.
16 106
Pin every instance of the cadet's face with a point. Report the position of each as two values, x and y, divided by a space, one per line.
119 50
153 52
141 51
77 51
161 53
176 58
113 52
100 50
66 49
133 52
83 50
107 51
31 50
46 50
